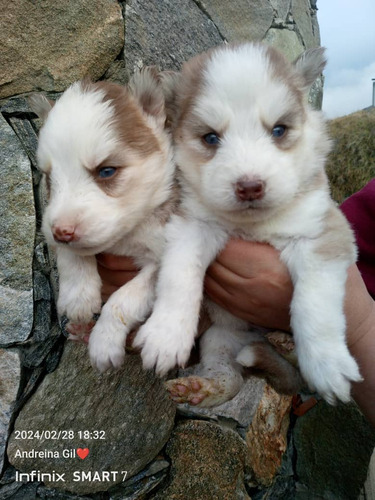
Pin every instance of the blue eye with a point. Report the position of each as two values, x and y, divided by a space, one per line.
212 139
278 131
107 172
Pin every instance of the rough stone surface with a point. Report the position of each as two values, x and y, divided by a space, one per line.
130 407
17 234
10 369
333 448
166 33
286 41
140 486
208 462
267 436
242 20
303 18
83 39
282 8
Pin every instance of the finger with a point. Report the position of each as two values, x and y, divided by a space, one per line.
115 278
247 258
227 301
116 262
239 306
107 291
226 277
214 289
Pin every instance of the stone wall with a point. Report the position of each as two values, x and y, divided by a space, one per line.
240 450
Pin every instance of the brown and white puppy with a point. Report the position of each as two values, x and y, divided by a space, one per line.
107 159
251 156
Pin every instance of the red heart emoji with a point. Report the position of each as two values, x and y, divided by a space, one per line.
82 453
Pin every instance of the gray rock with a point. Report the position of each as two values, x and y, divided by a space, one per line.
333 450
50 493
166 33
282 8
241 20
25 492
10 369
208 462
316 93
49 44
35 351
17 230
27 136
286 41
129 409
142 484
301 12
289 43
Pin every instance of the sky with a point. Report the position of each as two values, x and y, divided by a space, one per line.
347 30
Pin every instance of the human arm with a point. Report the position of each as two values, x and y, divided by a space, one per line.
360 317
249 280
252 273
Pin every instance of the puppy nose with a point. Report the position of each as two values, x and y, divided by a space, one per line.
247 190
64 234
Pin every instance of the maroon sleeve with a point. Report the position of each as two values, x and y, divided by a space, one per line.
359 209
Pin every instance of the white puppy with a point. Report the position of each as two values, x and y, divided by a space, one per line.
251 155
107 159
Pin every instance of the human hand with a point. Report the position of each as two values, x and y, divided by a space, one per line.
115 271
249 280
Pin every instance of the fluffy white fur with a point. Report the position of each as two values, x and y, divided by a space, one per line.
241 93
106 193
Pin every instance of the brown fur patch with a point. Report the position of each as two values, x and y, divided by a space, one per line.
129 121
278 372
337 240
164 211
284 71
188 87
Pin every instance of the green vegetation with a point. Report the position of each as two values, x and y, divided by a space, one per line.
352 162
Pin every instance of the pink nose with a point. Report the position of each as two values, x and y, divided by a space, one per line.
249 190
64 234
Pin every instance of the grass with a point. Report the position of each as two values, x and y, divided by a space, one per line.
351 164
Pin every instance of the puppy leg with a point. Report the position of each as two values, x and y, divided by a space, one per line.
79 291
168 336
318 320
127 307
263 360
219 376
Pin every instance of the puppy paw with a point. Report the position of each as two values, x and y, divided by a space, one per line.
106 348
164 344
329 370
196 391
80 307
79 332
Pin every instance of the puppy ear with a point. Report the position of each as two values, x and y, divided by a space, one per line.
310 65
40 105
170 80
146 87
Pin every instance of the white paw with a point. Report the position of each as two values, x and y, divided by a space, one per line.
106 346
329 369
165 343
79 304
